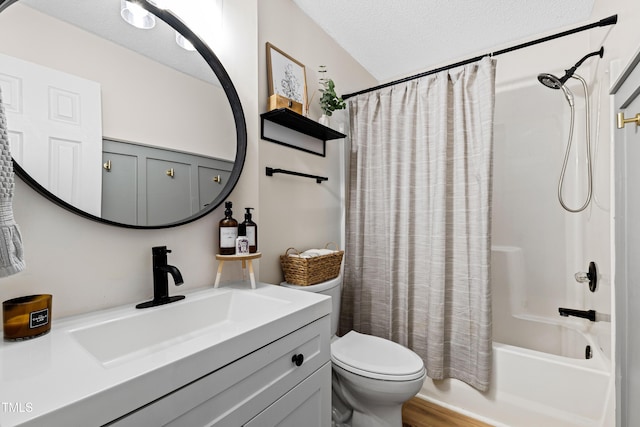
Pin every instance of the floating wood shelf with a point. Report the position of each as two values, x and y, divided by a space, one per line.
298 123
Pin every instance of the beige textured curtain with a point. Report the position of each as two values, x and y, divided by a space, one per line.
419 217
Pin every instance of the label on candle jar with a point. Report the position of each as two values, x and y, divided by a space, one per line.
38 318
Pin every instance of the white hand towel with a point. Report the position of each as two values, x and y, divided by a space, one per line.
11 252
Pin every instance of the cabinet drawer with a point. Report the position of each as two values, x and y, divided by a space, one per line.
234 394
308 404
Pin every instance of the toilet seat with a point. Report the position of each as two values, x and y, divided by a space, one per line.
376 358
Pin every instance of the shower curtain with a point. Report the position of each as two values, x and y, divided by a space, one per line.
418 219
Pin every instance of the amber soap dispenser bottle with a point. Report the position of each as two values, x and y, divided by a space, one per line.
228 229
251 231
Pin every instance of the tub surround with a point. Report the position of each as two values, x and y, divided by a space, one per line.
69 377
531 389
540 373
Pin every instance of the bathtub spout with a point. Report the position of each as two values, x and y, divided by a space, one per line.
585 314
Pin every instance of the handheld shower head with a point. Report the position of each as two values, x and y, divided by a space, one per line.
568 95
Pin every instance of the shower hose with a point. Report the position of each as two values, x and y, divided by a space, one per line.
568 150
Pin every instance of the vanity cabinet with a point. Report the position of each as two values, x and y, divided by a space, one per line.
285 383
305 405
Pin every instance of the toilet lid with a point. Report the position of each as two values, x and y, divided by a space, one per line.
376 358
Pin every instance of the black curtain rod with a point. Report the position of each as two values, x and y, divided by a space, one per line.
602 23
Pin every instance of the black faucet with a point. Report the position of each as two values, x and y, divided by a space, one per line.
585 314
160 279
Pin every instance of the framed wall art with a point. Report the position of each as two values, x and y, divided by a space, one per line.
286 76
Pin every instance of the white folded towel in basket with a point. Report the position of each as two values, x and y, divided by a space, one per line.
311 253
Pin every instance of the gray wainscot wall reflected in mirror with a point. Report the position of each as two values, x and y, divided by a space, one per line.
115 123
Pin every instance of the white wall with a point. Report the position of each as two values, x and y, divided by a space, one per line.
531 127
586 236
89 266
620 43
557 244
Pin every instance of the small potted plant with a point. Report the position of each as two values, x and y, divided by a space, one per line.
329 101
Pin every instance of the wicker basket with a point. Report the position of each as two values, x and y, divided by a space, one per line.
309 271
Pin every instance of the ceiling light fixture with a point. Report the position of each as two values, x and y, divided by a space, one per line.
136 15
161 4
183 42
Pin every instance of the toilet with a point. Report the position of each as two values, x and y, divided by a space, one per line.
372 376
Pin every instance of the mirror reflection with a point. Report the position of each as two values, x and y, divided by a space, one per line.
120 122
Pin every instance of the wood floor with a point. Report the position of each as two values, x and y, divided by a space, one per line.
420 413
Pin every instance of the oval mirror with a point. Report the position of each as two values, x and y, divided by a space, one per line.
124 125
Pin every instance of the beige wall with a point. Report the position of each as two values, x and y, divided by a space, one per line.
297 212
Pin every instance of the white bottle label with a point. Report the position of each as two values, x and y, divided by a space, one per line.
228 236
251 235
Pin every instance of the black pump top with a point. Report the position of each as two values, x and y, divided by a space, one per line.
247 215
227 210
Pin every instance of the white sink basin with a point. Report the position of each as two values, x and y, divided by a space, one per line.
152 329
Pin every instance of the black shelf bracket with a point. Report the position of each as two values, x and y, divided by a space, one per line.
319 179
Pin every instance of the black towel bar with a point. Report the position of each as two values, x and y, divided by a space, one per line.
319 179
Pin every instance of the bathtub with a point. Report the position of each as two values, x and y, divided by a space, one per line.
546 371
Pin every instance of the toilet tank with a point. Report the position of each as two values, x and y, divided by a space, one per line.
333 288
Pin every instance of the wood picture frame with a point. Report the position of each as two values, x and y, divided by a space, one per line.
286 76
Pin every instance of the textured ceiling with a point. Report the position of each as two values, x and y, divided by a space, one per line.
394 38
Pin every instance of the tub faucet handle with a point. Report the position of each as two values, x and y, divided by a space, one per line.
582 277
590 277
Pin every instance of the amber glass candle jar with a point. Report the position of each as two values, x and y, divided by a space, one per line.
26 317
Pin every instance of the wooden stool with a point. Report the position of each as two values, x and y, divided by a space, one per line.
246 259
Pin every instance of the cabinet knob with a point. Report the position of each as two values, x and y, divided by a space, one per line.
170 172
217 179
297 359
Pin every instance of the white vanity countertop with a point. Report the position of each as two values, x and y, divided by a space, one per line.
55 380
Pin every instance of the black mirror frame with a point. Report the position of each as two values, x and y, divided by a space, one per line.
236 108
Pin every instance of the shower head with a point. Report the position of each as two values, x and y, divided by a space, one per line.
550 81
553 82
